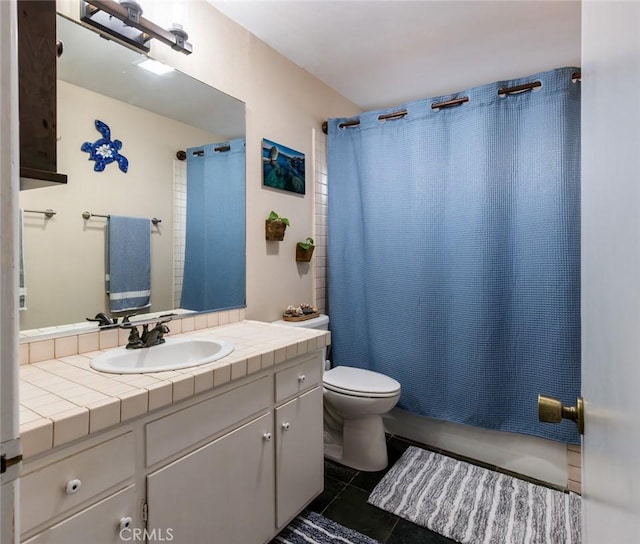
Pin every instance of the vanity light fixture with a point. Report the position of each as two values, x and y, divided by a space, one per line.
124 21
155 67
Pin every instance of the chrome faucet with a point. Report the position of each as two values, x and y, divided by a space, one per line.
148 338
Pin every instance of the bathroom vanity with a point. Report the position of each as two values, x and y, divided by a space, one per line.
233 463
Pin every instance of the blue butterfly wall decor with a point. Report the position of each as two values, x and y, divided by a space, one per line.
104 151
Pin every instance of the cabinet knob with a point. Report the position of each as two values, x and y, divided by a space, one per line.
302 378
125 523
267 437
72 486
286 425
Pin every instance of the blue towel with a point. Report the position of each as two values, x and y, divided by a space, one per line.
128 266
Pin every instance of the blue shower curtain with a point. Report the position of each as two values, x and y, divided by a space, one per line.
215 197
454 252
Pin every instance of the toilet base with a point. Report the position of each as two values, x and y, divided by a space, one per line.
362 444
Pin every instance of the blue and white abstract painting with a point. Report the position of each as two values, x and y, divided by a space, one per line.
282 167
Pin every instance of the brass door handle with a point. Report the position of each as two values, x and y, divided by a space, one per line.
551 410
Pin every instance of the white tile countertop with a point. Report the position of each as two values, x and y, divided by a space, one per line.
64 399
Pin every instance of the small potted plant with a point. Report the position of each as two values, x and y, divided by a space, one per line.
304 250
275 227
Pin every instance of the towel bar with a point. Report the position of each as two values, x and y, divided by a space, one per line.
89 215
48 213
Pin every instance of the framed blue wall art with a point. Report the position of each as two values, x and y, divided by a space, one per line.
282 167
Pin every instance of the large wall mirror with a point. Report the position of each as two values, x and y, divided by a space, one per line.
153 116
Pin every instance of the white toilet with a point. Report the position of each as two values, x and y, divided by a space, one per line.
354 402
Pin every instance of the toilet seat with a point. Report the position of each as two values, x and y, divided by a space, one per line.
357 382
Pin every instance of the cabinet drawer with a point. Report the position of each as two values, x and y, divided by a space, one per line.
182 429
298 378
49 491
98 524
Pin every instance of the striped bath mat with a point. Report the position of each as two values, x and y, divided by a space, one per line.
312 528
474 505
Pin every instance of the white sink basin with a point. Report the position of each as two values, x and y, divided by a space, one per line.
175 353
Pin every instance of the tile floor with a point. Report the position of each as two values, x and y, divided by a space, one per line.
346 491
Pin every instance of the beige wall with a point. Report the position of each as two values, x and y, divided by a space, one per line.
284 103
64 255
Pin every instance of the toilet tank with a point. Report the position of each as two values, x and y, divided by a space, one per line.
320 323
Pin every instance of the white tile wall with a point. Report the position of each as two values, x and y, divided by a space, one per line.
574 462
179 226
321 191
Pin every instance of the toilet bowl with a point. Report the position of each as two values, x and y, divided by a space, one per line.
354 402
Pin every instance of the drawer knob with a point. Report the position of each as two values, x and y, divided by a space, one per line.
125 523
302 378
73 486
286 425
267 437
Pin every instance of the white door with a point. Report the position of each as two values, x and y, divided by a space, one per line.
9 445
611 271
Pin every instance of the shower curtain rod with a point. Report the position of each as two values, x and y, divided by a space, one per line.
182 155
577 76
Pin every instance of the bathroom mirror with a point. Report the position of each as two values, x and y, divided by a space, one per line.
154 116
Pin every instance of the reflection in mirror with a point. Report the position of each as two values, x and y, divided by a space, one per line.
153 116
214 174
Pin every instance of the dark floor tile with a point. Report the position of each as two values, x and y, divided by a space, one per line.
339 472
396 447
351 509
406 532
368 480
412 442
332 489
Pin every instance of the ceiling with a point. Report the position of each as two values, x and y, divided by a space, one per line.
380 54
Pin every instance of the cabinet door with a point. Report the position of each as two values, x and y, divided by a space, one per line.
37 81
222 492
109 521
299 454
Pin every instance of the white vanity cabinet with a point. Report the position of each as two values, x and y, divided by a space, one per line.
233 465
222 492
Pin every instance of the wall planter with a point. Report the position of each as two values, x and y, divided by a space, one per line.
275 227
304 250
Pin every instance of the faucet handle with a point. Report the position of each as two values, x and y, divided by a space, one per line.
126 320
103 319
165 318
134 340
